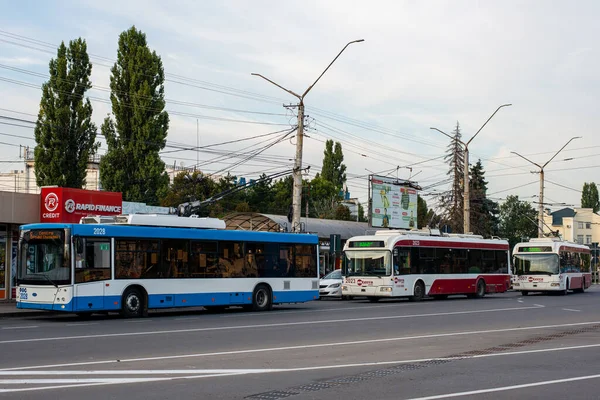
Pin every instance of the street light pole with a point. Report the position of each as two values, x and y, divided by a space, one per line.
466 188
541 195
297 193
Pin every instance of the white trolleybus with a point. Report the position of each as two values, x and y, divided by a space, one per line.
133 263
415 264
551 265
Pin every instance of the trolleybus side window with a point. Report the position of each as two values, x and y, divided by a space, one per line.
306 261
205 259
174 256
137 259
92 259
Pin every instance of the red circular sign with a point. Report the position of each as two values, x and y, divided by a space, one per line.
530 279
359 282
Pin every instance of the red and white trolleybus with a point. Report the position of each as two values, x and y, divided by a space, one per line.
551 265
419 263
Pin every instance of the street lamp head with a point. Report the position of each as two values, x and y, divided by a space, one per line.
358 41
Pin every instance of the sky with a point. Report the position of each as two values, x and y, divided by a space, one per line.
422 64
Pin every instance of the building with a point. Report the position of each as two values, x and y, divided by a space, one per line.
580 225
15 209
23 181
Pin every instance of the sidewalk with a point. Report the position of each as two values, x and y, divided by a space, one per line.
8 309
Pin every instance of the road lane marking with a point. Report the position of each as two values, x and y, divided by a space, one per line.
20 327
82 324
210 373
538 305
307 346
571 309
506 388
255 326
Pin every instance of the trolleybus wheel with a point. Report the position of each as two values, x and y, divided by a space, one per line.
419 292
566 291
480 293
373 299
261 298
524 292
133 303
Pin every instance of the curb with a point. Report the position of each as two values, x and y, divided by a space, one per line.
16 314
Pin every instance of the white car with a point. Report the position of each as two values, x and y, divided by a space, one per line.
331 284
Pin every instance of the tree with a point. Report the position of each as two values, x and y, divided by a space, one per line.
260 195
188 187
422 221
132 164
484 212
518 220
282 195
589 196
342 213
64 132
451 201
361 214
333 168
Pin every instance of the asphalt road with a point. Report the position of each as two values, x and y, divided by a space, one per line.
501 347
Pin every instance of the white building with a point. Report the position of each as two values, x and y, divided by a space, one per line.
581 225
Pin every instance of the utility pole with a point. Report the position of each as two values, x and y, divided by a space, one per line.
297 193
541 172
466 189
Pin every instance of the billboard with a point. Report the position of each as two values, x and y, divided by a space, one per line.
393 203
60 204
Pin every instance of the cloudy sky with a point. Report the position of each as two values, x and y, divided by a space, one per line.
423 64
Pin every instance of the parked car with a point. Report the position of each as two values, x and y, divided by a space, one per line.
331 284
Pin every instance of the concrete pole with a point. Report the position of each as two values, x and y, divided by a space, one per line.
541 207
467 194
297 193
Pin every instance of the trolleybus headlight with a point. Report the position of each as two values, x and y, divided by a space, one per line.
516 284
344 288
555 284
385 289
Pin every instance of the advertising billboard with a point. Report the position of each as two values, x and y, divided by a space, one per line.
393 203
70 205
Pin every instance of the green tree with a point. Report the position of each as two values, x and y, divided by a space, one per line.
451 201
282 195
422 221
361 214
260 195
132 164
333 168
589 197
187 187
342 213
484 212
64 132
518 220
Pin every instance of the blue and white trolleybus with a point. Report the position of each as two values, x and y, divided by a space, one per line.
132 263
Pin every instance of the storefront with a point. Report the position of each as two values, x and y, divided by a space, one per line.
15 209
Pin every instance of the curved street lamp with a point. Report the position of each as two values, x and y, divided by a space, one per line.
466 189
541 172
297 193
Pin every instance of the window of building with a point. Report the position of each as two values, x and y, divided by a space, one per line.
580 239
92 260
588 225
580 225
588 239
